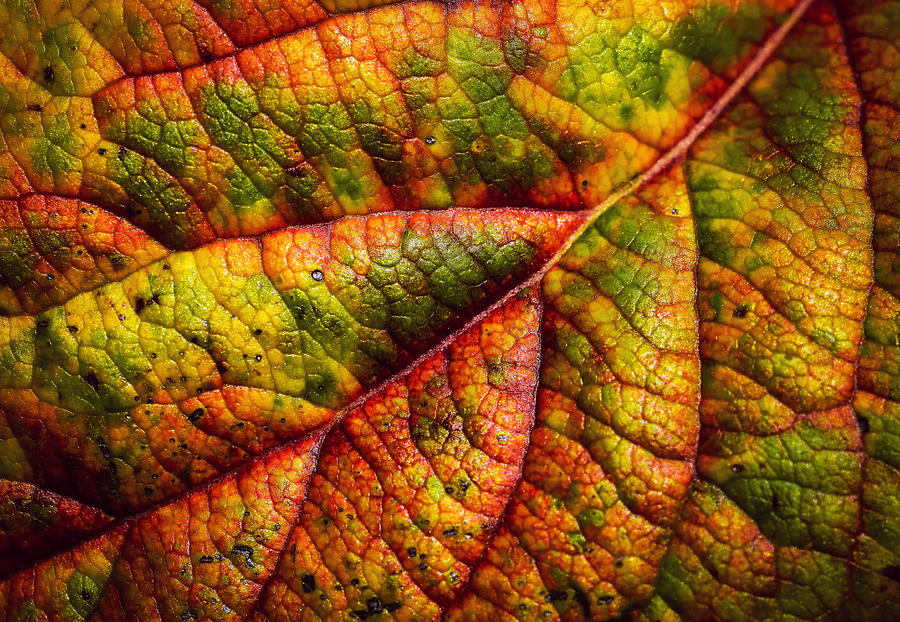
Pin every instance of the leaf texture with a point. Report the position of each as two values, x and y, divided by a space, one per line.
549 309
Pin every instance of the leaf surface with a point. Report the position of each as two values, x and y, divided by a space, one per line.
542 310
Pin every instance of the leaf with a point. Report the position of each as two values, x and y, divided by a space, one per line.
567 310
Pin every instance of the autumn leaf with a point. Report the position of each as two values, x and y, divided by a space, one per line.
533 310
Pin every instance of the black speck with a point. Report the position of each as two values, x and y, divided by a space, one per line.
423 566
411 551
740 311
584 183
43 323
430 140
737 468
317 275
83 126
374 605
449 490
139 304
605 600
308 582
391 607
195 414
450 532
244 551
557 595
34 107
101 151
49 74
101 444
619 563
863 424
72 329
91 379
258 331
354 582
206 559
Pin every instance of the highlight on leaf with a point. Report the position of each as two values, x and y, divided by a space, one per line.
374 310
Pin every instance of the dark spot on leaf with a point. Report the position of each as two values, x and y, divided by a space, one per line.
863 424
374 605
354 582
737 468
317 275
411 551
605 600
206 559
557 596
72 329
139 304
450 532
308 582
101 151
430 140
244 551
740 311
104 449
34 107
91 379
258 331
49 74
